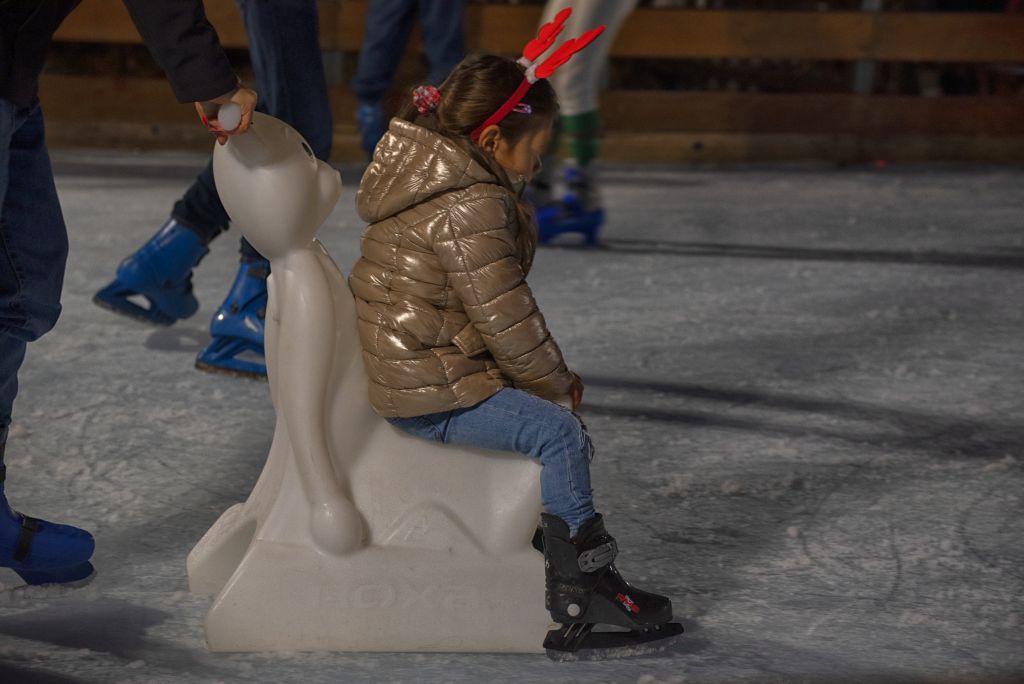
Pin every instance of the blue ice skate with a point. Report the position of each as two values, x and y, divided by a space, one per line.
41 552
572 214
568 216
161 273
237 327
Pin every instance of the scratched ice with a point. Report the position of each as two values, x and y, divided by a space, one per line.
804 385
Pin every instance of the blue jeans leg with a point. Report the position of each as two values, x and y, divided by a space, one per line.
444 40
33 243
284 44
385 35
516 421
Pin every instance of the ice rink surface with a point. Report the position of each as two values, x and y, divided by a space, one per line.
805 384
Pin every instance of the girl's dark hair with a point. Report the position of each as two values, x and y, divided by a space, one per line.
475 89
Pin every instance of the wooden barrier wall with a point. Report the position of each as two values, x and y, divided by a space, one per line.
651 125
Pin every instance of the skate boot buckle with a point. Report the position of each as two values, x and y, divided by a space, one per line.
598 557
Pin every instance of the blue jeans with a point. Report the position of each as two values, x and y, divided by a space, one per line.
386 33
284 44
33 243
517 421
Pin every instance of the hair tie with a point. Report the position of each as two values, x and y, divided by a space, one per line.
426 97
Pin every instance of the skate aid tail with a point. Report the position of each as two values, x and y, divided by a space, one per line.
426 547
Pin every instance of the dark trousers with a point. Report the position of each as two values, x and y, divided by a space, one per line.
388 23
33 243
284 43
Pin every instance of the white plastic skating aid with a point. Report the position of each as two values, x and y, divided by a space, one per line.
356 537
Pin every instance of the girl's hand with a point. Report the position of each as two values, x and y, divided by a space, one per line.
576 392
246 101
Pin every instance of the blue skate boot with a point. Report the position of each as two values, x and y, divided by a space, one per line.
41 552
237 327
579 210
160 272
372 126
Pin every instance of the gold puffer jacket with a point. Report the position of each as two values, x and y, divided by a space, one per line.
446 318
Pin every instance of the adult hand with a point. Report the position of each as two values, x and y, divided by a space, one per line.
576 391
244 98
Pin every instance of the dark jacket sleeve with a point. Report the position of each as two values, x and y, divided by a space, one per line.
181 39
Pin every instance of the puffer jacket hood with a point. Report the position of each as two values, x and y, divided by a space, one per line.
410 165
445 316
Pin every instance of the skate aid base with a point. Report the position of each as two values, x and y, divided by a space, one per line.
425 582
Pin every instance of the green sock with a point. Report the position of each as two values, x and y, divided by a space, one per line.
583 133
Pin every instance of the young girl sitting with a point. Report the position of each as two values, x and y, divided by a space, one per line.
454 344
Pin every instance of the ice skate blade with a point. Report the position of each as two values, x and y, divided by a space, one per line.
578 642
231 372
73 577
228 355
120 305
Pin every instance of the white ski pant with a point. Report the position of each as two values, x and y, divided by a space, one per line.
578 82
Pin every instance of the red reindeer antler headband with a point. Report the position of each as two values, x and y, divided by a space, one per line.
534 72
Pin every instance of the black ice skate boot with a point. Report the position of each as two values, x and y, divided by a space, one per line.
583 589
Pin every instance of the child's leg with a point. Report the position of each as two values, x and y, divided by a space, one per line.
513 420
582 585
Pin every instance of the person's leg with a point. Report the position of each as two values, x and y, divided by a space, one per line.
32 235
160 272
284 44
578 81
578 85
199 209
285 51
12 313
237 328
582 583
385 35
444 41
33 252
516 421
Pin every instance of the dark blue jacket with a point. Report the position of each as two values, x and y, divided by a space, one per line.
176 32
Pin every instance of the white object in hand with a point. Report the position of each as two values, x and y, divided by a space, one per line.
229 116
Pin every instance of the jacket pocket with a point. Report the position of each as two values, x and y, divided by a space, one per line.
468 341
